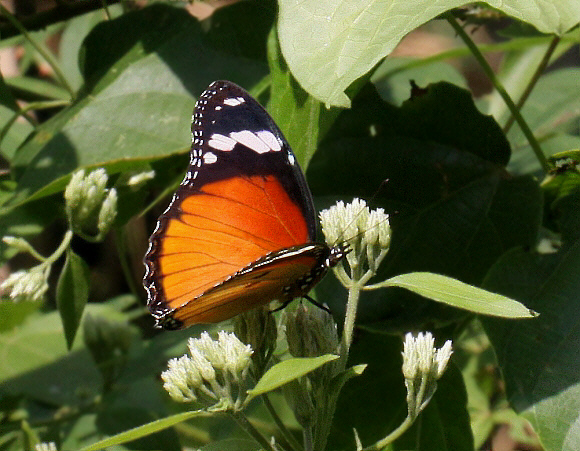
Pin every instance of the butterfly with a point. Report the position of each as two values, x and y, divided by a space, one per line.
240 230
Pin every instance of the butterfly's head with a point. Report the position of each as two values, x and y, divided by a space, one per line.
364 235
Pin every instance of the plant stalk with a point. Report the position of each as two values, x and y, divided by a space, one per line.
46 54
539 71
501 90
245 424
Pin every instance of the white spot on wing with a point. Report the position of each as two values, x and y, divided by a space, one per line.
209 158
231 101
270 140
221 142
249 139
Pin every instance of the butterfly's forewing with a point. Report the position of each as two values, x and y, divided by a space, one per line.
243 196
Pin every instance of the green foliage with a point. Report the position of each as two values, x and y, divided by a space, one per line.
287 371
472 208
72 294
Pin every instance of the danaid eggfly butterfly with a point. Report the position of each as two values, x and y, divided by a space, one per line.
240 229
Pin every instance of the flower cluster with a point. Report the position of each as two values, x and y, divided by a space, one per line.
423 364
367 232
214 374
91 208
29 284
310 332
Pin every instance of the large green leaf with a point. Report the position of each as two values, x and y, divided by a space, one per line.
461 295
144 70
392 77
539 358
35 361
328 44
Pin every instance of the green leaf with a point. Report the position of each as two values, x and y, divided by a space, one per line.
13 136
72 294
552 108
140 97
461 295
35 358
13 314
293 109
392 77
242 28
446 114
287 371
34 88
72 39
328 44
145 430
538 358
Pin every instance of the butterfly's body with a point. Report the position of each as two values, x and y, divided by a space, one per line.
240 230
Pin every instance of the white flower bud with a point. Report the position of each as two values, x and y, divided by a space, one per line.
91 207
45 446
108 212
366 232
442 358
138 179
207 374
28 284
181 379
20 244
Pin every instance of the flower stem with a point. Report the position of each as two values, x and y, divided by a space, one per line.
245 424
539 71
349 320
45 53
501 90
283 429
392 436
61 248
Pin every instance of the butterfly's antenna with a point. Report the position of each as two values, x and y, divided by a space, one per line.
341 239
376 193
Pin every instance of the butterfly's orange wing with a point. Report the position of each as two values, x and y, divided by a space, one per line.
243 197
